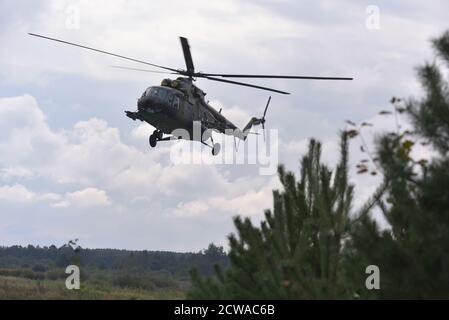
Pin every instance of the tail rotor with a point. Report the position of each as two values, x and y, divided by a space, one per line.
254 121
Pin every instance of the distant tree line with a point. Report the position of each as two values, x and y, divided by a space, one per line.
40 259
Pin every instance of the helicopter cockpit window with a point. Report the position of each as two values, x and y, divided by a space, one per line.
161 93
156 92
147 92
175 102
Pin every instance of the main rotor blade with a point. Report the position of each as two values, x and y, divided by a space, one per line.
268 76
105 52
143 70
244 84
187 55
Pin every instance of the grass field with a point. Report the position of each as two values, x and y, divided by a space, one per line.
12 288
40 272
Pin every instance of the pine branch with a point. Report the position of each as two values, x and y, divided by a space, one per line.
372 201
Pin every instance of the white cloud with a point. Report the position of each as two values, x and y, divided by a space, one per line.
21 194
88 197
25 135
142 132
15 172
192 208
50 197
16 193
61 204
250 202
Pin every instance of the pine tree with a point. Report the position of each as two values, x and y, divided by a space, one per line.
296 251
413 253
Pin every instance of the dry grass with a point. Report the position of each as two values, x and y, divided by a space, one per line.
12 288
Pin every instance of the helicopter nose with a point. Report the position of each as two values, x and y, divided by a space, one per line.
146 103
151 103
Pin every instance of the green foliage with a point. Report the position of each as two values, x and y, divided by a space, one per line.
311 247
40 268
413 254
146 281
431 115
296 251
133 281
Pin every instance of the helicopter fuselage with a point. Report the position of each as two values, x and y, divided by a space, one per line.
177 104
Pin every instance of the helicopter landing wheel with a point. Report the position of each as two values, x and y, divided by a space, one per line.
216 149
153 140
158 134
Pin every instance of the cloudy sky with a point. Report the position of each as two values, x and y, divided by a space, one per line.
73 166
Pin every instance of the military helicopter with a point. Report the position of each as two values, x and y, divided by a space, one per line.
179 104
